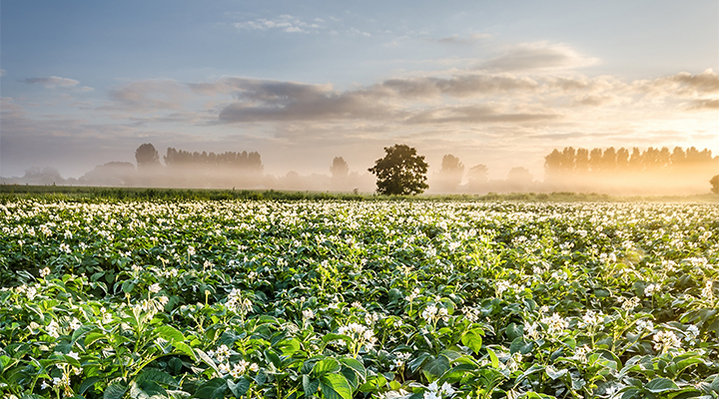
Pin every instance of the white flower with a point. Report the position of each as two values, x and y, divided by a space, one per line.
501 286
691 333
44 272
642 325
590 319
52 329
652 289
708 292
413 295
429 312
74 355
154 288
222 353
308 314
581 353
65 248
447 389
629 304
75 324
664 340
531 330
555 323
190 251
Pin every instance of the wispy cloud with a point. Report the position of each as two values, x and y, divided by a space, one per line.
537 57
710 105
285 22
464 40
54 82
147 96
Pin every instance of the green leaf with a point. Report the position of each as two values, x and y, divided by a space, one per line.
514 331
327 338
324 366
436 366
520 345
93 337
310 385
240 388
473 339
116 390
373 384
127 287
205 358
170 333
660 385
554 374
355 365
186 349
288 346
155 375
335 386
493 358
87 384
212 389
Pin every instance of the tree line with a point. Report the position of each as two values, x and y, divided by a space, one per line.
582 161
147 156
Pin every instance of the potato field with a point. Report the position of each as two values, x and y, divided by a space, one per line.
358 299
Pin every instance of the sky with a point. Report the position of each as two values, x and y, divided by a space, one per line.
499 83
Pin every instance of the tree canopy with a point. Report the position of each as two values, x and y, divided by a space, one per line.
401 171
146 155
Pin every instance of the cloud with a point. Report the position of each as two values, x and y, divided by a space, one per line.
538 56
682 83
478 114
286 23
52 82
2 72
458 86
469 40
705 105
265 101
148 96
705 82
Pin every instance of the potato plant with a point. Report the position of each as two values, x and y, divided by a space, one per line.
367 299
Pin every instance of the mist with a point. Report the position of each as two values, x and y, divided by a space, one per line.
650 171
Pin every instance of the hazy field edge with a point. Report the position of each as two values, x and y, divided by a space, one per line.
80 193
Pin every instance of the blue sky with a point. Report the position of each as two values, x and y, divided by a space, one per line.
494 82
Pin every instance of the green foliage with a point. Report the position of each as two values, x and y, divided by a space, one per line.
401 171
336 299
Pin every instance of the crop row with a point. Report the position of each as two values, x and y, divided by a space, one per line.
341 300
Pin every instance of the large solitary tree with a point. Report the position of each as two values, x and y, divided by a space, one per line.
401 171
146 155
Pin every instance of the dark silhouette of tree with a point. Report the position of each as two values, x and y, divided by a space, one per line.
581 161
451 172
715 184
622 159
595 160
339 169
401 171
553 165
250 162
567 163
147 156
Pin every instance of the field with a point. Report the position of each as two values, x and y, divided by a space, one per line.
351 299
